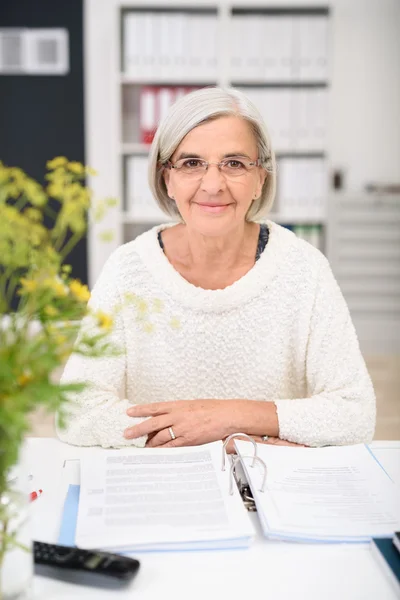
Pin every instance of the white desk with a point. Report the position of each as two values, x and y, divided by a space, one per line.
277 570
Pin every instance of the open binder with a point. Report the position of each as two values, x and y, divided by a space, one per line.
150 499
190 498
330 494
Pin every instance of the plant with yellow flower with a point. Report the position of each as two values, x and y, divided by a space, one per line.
41 306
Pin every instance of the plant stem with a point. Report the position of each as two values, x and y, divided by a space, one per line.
3 548
73 240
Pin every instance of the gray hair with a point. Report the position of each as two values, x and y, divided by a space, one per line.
197 108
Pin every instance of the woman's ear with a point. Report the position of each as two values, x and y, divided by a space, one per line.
262 177
166 175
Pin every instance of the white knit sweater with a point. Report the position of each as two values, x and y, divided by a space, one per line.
281 333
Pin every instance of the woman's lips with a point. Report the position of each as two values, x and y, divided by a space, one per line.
213 208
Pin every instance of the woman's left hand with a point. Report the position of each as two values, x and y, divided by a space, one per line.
193 422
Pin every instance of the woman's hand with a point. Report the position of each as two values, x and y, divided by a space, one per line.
193 422
274 441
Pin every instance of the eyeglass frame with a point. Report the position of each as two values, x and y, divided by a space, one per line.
251 163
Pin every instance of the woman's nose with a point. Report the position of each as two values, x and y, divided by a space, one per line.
213 181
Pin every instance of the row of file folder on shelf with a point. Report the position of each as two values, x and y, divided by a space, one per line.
313 234
279 48
170 45
155 103
265 48
146 499
296 118
302 190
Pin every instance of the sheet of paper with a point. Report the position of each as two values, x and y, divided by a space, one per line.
335 493
146 497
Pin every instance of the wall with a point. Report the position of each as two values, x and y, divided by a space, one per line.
365 99
42 116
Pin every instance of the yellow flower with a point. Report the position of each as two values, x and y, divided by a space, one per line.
76 167
79 290
141 305
24 378
55 189
175 323
148 327
91 171
58 161
28 285
106 236
50 311
104 321
12 190
58 287
158 305
33 214
60 339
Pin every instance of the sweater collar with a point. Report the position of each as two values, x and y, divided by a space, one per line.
251 285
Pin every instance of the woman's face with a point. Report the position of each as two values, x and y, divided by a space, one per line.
214 202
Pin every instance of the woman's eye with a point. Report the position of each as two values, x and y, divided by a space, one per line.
235 164
192 163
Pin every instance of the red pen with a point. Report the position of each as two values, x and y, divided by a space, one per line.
34 495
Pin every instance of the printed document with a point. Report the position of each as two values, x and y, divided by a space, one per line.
323 494
144 498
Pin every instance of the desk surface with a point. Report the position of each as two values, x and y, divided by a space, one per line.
278 570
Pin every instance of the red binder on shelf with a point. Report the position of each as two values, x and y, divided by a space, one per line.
148 114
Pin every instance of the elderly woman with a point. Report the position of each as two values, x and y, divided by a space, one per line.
236 325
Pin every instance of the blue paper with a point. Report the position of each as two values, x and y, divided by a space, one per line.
69 517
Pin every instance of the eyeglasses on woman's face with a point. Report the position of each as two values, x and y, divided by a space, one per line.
195 168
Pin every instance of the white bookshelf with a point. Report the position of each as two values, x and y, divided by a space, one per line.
112 96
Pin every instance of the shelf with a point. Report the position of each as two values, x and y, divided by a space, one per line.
289 11
129 218
127 149
146 79
280 84
293 220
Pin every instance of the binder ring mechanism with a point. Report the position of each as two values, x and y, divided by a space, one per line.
235 459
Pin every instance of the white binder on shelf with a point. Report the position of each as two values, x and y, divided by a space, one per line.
195 46
280 110
178 29
164 45
132 52
309 119
147 38
318 112
157 67
278 48
236 49
302 188
253 47
312 48
275 108
201 47
210 28
140 204
166 96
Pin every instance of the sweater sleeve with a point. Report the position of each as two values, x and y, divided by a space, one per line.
340 407
97 415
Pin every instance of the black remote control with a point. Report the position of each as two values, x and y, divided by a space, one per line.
85 567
